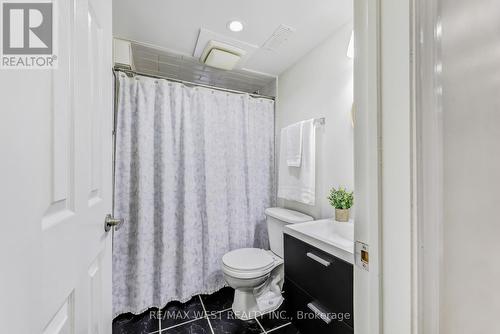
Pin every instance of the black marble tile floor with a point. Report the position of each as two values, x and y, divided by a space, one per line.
203 314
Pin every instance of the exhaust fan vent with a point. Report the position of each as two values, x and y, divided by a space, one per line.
279 36
221 55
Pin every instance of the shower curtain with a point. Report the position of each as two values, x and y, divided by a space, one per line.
194 174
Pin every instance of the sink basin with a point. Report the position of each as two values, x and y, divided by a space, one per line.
328 235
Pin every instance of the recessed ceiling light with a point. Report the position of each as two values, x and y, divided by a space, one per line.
235 25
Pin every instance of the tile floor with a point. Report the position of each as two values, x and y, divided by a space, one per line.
203 314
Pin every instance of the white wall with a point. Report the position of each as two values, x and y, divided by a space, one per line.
470 301
460 161
320 85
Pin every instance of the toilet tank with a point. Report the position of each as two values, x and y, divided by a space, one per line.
277 218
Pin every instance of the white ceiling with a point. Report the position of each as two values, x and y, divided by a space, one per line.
175 24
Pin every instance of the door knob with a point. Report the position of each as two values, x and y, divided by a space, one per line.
110 222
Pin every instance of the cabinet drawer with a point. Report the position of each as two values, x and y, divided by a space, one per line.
309 316
323 276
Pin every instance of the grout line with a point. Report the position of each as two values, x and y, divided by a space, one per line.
218 312
262 327
206 315
183 323
203 306
272 330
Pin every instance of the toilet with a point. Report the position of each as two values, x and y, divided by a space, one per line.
256 274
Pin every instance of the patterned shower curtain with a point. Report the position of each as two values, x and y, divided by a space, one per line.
194 174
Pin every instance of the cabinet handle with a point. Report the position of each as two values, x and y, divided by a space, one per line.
320 314
318 259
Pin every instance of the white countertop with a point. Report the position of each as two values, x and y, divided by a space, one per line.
328 235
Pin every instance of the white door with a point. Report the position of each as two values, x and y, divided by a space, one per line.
56 181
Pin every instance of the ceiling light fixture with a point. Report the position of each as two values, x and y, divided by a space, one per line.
235 25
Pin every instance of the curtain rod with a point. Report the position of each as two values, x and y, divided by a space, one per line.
188 83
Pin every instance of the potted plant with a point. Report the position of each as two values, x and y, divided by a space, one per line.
342 201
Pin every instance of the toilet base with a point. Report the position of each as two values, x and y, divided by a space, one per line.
245 305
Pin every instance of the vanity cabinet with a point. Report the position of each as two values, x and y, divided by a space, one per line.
319 289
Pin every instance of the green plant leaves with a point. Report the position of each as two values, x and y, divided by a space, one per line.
341 199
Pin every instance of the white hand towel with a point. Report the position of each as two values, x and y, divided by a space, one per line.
294 144
299 184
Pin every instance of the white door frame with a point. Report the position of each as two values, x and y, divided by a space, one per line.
367 306
397 160
385 297
428 169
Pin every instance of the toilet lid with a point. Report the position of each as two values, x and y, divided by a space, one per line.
248 259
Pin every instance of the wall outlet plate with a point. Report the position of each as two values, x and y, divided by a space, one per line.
362 255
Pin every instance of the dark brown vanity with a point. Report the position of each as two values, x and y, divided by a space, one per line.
318 289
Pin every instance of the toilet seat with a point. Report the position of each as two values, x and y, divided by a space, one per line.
247 263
